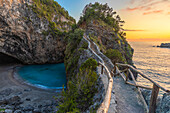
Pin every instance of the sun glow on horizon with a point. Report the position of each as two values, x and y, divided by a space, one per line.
149 21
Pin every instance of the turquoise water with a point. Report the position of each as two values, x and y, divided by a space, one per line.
49 76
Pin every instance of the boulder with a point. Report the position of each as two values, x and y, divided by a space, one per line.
164 106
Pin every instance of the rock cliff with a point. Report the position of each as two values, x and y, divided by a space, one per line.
33 31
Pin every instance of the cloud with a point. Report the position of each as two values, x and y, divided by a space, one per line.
132 9
168 13
148 5
149 39
132 1
134 30
153 12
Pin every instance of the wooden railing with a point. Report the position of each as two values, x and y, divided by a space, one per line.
104 107
155 89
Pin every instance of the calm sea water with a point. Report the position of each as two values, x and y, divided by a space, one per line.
51 76
152 61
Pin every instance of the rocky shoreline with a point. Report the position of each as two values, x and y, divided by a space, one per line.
16 97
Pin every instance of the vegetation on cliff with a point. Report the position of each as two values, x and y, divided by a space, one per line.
80 89
50 9
104 27
81 80
115 55
59 19
103 13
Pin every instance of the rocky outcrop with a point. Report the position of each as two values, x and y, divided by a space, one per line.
31 36
164 106
163 103
105 30
17 104
164 45
108 39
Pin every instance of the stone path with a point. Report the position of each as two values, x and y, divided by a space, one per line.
126 97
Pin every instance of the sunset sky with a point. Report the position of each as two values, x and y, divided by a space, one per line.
146 20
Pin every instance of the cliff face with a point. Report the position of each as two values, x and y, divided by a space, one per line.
33 31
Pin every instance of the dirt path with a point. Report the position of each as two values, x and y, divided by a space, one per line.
126 96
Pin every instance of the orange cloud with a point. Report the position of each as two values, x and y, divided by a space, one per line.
153 12
147 7
132 9
168 13
133 30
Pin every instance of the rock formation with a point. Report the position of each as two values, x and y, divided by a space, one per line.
164 45
33 35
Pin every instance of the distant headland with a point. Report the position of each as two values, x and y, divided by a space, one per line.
164 45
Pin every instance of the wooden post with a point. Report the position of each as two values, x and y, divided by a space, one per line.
155 91
112 73
127 73
102 69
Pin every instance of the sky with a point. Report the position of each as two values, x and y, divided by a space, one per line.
145 20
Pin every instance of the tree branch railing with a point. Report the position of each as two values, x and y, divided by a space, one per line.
155 89
104 107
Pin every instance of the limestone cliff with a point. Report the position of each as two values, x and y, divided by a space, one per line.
33 31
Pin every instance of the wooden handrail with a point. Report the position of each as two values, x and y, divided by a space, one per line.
104 107
135 84
155 89
144 76
140 93
145 87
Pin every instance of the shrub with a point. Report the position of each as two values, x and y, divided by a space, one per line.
115 55
80 89
85 45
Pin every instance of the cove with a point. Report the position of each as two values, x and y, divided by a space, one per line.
48 76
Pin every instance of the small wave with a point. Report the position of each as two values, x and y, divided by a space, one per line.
46 87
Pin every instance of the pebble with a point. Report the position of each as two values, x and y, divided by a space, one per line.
8 111
28 99
18 111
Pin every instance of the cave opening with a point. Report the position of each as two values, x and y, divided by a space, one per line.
6 59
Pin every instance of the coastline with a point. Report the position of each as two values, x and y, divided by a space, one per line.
16 77
27 95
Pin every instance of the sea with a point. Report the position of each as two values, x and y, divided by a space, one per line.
48 76
153 62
